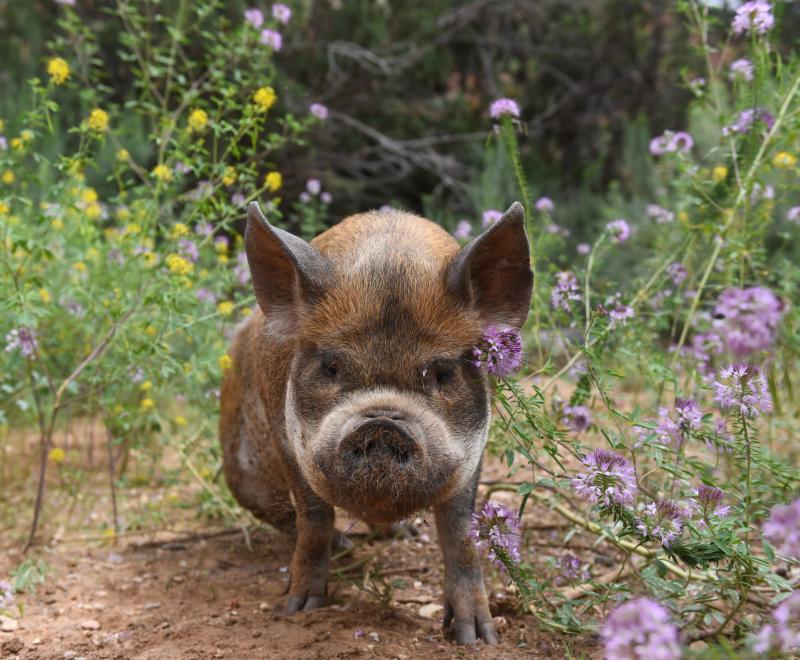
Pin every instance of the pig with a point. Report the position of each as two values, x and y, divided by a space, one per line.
353 385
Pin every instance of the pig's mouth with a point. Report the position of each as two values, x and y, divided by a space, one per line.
380 471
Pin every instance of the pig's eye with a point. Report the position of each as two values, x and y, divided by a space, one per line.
328 369
444 376
436 377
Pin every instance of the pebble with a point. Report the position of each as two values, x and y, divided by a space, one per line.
430 611
375 637
263 607
7 624
90 624
151 606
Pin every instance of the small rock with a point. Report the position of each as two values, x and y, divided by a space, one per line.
500 623
37 641
90 624
8 625
375 637
417 584
263 607
430 611
68 655
151 606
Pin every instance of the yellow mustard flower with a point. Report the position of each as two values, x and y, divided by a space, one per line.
133 228
150 259
225 308
198 121
58 70
147 404
93 254
57 224
8 177
180 420
89 195
45 296
683 216
2 126
123 154
146 386
4 208
273 181
17 144
151 331
719 173
56 455
123 213
264 98
98 121
26 136
178 265
162 173
179 229
94 211
80 266
784 160
245 311
229 176
225 362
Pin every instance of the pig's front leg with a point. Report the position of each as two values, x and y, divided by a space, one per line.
312 554
466 606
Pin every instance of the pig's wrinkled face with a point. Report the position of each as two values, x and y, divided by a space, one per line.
385 412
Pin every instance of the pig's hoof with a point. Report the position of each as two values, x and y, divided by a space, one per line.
471 627
304 602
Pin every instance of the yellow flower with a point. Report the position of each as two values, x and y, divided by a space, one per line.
133 228
225 308
94 211
222 259
264 98
146 386
26 136
225 362
147 404
178 265
98 121
273 181
245 311
683 217
162 173
198 121
123 154
57 224
92 254
151 331
784 160
150 259
221 245
719 173
45 296
8 177
16 143
89 195
179 229
123 213
79 266
4 208
180 420
58 70
56 455
2 126
229 176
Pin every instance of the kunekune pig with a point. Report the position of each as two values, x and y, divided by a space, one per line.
353 385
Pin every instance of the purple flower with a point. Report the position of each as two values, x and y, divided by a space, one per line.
709 500
793 214
22 338
741 68
254 16
204 229
3 143
463 229
545 205
272 39
206 296
583 249
619 230
318 110
748 319
661 521
640 629
182 168
557 230
6 595
744 387
242 268
238 199
747 118
358 633
305 197
565 291
189 248
490 216
782 637
578 418
609 479
620 314
755 16
783 529
496 527
670 141
660 215
326 198
504 107
689 416
281 13
572 569
313 186
499 352
677 272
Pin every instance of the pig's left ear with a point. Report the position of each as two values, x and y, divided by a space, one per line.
493 272
287 272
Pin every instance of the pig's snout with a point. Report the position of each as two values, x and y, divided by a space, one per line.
382 438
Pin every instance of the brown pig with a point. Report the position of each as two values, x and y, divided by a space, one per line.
353 386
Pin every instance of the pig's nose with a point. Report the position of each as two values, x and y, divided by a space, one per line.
380 438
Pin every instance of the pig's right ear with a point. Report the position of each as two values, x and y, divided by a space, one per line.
492 272
287 272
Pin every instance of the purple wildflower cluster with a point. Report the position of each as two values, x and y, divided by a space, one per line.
659 214
609 479
793 214
490 216
782 636
504 108
271 38
744 387
674 430
661 520
709 503
677 272
242 269
619 230
314 189
782 529
572 569
544 205
640 629
463 229
741 69
744 122
22 338
748 319
497 529
565 291
577 418
499 352
6 595
620 314
753 16
318 110
670 142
